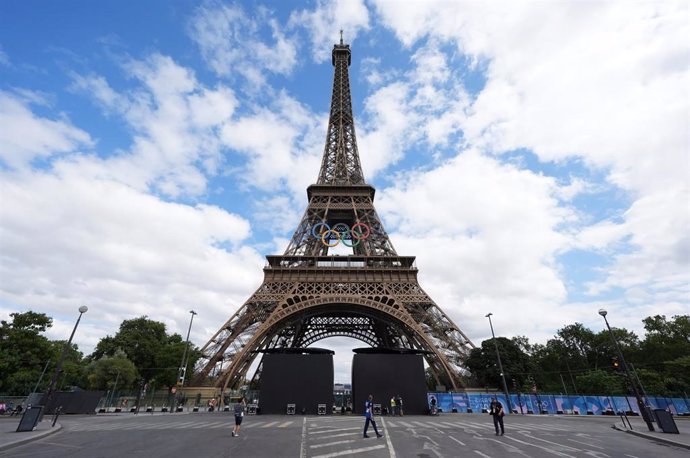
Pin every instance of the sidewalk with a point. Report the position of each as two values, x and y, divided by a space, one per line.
640 429
9 437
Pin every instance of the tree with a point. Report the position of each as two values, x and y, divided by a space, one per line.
24 352
155 354
73 367
483 364
105 371
601 382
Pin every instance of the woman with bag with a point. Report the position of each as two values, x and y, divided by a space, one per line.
497 412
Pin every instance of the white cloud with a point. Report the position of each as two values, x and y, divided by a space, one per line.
231 43
283 144
25 136
176 120
603 82
69 240
327 19
486 235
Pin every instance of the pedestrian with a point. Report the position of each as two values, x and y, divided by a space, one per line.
239 414
369 415
399 405
432 404
392 405
497 412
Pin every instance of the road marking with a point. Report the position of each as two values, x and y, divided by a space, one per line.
329 444
351 451
336 435
333 430
392 425
302 448
253 424
481 454
554 452
406 425
285 425
565 447
388 439
587 444
268 425
457 440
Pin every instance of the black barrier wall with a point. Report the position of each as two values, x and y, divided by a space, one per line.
303 380
388 375
77 402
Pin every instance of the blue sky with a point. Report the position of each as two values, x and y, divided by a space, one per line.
534 156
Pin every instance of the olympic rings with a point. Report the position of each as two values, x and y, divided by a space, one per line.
341 232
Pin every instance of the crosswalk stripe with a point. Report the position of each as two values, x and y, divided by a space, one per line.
406 425
268 425
336 435
334 430
329 444
285 425
351 451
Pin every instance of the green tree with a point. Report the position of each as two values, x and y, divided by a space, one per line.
483 364
103 373
601 382
73 368
155 354
23 351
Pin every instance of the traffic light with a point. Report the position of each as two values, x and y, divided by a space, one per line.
615 363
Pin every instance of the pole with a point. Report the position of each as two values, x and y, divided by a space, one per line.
500 365
640 402
41 377
637 377
112 393
565 390
182 373
49 398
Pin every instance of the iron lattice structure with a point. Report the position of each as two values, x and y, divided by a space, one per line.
307 295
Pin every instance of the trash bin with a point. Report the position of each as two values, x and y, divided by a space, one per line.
665 421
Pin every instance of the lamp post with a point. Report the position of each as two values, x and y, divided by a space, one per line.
182 373
640 403
49 398
500 365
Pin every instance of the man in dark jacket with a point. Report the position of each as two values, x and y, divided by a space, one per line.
497 412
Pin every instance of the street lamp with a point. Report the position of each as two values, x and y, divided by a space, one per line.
182 373
49 398
500 366
640 403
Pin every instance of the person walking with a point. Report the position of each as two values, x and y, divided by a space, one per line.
399 405
497 412
239 415
392 406
369 415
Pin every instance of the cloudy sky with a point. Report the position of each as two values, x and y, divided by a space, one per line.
534 156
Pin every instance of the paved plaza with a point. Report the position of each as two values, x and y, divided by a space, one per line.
447 435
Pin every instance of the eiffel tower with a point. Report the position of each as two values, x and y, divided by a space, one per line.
371 295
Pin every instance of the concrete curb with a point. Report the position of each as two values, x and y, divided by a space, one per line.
655 438
33 436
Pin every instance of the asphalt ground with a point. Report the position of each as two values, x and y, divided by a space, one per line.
446 435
